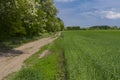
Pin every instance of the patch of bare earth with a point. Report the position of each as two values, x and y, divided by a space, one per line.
45 53
12 64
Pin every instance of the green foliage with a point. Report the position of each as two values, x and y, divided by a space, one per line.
10 23
28 18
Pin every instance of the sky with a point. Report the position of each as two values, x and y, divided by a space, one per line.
87 13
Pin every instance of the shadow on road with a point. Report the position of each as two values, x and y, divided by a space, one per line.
7 51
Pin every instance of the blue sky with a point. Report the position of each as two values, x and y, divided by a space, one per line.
87 13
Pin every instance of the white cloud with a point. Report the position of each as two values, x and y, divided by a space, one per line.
64 0
111 14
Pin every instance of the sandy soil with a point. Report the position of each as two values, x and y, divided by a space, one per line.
45 53
12 64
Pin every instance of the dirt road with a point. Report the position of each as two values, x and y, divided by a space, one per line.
12 64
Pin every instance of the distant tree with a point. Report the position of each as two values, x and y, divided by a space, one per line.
73 28
104 27
114 27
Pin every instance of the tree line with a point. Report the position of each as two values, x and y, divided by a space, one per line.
28 18
73 27
102 27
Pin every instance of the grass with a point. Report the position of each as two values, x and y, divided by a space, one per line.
77 55
17 41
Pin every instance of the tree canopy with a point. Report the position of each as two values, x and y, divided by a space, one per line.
28 18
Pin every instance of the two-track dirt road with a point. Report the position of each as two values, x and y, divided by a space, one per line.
12 64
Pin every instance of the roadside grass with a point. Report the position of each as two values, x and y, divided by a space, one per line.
17 41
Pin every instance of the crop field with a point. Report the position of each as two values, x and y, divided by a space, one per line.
88 55
92 55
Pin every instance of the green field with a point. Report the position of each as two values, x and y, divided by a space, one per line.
77 55
92 55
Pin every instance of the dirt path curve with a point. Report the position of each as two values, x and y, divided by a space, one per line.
12 64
